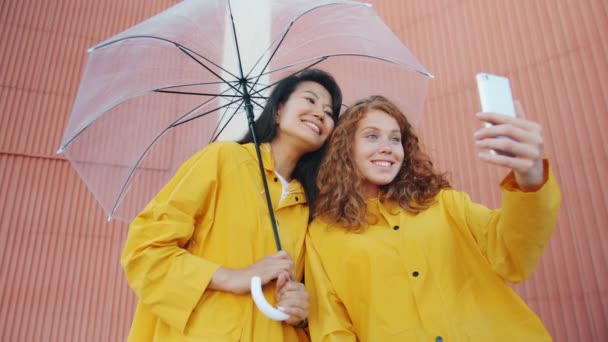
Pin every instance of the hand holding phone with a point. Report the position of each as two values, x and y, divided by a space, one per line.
523 151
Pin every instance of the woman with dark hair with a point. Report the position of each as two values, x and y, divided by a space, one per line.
191 253
395 254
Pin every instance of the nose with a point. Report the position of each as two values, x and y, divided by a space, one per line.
319 114
385 147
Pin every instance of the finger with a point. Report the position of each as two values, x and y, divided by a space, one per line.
282 280
294 299
296 315
272 272
518 164
295 287
494 118
513 148
501 119
282 254
292 289
510 131
286 266
300 312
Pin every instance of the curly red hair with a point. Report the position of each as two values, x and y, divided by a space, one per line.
341 200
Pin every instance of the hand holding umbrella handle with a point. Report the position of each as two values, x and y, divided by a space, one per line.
262 303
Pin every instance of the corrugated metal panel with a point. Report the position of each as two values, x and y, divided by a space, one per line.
555 53
59 259
60 279
60 276
43 54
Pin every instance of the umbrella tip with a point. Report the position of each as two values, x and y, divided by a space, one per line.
89 50
109 217
60 150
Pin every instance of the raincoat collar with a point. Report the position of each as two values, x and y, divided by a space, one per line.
266 153
295 188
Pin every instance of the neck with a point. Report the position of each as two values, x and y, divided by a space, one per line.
371 191
285 158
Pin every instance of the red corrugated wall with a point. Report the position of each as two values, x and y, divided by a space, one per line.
59 274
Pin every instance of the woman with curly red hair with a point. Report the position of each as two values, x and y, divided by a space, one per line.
395 254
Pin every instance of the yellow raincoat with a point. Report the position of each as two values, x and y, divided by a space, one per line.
213 212
436 276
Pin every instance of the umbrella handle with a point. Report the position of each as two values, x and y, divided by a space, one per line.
262 303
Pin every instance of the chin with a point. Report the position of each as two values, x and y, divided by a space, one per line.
384 181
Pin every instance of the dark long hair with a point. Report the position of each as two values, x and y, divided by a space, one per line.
265 126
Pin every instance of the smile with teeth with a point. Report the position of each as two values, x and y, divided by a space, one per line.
382 163
314 127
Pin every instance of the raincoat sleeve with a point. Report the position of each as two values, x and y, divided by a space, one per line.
513 237
327 319
167 278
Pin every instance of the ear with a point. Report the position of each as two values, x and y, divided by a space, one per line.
279 112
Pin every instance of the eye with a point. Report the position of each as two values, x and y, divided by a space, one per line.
311 100
372 137
328 113
396 140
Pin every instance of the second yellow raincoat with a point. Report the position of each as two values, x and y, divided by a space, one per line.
212 213
436 276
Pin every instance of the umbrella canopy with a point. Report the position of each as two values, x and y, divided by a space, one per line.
153 95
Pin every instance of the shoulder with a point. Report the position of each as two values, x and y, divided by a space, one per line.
222 150
213 157
451 201
223 147
327 241
452 197
321 232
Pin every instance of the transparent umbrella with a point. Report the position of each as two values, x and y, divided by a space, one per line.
201 71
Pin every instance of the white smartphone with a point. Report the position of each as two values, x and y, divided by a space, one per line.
495 96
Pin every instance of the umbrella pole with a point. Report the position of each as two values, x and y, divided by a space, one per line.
250 119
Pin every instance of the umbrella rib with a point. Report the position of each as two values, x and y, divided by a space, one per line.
288 28
216 134
201 94
257 104
177 123
186 51
321 59
197 84
181 47
422 72
84 128
141 157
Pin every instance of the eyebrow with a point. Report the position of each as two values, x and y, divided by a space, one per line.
378 129
312 93
317 97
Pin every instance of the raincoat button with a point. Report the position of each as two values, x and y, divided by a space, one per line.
415 274
396 228
276 179
297 199
438 339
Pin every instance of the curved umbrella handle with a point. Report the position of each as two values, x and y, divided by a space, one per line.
262 303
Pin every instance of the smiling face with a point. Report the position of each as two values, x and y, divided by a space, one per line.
305 119
377 150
